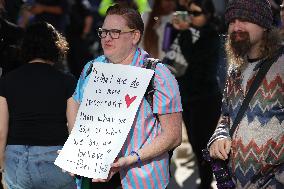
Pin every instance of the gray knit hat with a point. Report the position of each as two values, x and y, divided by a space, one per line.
255 11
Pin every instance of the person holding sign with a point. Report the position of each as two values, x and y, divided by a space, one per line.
33 104
143 161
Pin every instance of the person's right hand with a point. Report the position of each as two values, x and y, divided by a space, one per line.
220 148
180 24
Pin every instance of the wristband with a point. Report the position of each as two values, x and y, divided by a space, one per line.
135 153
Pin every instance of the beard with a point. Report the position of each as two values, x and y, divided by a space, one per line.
240 43
237 46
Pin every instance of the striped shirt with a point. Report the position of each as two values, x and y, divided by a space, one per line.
154 173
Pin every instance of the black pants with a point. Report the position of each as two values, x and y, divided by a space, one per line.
201 116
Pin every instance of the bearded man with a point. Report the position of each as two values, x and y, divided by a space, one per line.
255 149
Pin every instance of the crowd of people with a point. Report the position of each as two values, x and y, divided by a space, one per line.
211 54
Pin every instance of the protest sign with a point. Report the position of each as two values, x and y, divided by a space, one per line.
110 102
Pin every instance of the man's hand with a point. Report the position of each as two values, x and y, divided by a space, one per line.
220 149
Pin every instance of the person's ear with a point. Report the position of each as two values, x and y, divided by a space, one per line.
136 36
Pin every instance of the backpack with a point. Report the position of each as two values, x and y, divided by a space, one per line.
151 63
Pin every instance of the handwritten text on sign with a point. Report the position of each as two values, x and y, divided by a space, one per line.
107 111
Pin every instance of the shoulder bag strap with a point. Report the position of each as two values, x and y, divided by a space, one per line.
150 63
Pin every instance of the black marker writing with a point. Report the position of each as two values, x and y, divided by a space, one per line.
86 117
104 118
98 103
102 78
134 84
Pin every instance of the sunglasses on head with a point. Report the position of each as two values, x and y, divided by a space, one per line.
195 13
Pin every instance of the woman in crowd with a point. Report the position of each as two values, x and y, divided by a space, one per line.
201 97
33 113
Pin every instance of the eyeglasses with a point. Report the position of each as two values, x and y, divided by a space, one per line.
195 13
114 33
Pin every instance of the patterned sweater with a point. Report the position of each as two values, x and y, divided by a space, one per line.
257 144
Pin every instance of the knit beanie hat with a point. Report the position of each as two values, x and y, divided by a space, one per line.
255 11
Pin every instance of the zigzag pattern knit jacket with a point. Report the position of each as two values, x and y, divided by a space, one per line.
257 144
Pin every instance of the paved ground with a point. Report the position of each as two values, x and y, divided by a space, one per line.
184 169
185 175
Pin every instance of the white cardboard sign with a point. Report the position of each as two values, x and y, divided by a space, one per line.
105 116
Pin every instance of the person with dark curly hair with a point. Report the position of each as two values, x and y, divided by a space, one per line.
33 113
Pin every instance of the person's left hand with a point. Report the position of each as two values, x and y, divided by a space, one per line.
2 163
116 165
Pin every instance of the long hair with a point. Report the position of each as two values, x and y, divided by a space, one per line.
208 8
151 39
271 41
43 41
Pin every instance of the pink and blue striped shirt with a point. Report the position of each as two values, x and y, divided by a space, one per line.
154 173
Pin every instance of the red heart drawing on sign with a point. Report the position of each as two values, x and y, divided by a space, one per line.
129 100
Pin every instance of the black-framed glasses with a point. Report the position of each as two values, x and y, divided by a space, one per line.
195 13
114 33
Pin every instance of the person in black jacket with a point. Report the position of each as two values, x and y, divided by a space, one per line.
201 96
77 35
